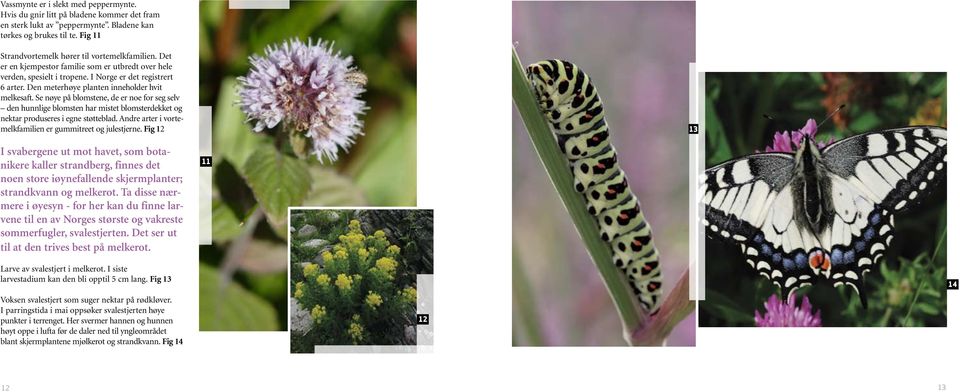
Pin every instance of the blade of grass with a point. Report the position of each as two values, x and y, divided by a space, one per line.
559 173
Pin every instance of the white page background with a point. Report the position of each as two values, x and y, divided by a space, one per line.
464 174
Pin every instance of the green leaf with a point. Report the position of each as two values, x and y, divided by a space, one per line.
333 190
226 224
886 273
211 12
865 122
271 286
938 86
718 149
231 308
726 308
927 308
233 139
278 181
389 174
300 21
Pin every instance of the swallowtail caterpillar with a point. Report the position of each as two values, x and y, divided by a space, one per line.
574 110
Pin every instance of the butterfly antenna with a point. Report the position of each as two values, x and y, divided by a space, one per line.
831 114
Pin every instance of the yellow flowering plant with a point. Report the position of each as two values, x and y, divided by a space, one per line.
353 287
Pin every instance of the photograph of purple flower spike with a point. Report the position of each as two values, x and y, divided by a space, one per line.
601 86
825 206
310 106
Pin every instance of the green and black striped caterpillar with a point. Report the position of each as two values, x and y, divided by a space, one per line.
574 110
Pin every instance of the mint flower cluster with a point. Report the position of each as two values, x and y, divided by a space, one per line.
310 90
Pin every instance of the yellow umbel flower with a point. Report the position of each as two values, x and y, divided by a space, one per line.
344 282
373 300
340 255
393 251
354 226
380 234
323 280
318 312
362 253
387 265
356 332
298 290
353 242
409 295
327 256
310 270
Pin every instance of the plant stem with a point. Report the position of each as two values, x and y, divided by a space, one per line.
235 252
559 172
676 307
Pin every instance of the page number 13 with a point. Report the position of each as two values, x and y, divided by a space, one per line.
941 387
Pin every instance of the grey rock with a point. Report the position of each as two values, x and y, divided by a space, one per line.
300 320
314 244
366 228
306 231
410 334
332 216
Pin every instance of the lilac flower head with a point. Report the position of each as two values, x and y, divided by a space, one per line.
786 314
790 141
308 88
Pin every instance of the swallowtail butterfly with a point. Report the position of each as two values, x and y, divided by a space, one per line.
822 214
573 108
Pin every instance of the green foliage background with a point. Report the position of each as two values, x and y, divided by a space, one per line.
910 287
251 174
